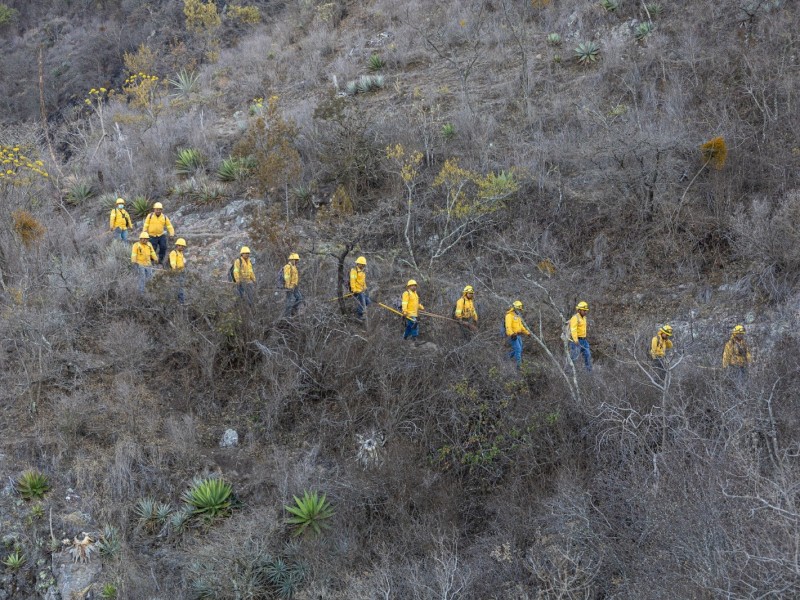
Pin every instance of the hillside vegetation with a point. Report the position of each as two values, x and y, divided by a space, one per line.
640 156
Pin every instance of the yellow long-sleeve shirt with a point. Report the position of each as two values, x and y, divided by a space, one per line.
142 253
577 327
736 353
291 277
155 225
358 280
465 309
514 324
411 304
243 271
119 219
659 346
177 261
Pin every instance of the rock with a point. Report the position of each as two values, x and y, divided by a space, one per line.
74 578
230 439
750 318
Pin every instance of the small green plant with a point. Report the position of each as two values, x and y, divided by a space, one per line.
79 192
140 207
365 84
108 591
208 193
310 513
654 9
37 511
184 84
234 169
7 14
189 161
145 510
351 88
587 53
285 576
209 498
448 131
610 5
303 194
375 63
179 520
14 561
32 484
554 39
108 543
643 30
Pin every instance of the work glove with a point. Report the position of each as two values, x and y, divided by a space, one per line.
514 338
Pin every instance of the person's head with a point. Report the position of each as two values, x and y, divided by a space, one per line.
144 236
517 306
361 263
120 203
582 308
157 208
469 292
294 257
180 244
245 253
665 331
738 332
411 285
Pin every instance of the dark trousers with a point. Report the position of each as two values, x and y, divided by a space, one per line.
660 367
582 347
160 246
412 329
246 291
293 300
362 302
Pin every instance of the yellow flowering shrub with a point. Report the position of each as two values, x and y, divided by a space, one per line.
201 17
715 151
243 15
141 61
142 90
15 163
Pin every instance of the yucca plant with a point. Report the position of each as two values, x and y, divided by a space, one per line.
375 63
351 88
610 5
233 169
140 206
108 543
310 513
587 53
79 192
643 30
108 591
179 520
32 484
14 561
364 84
448 131
303 194
162 512
145 510
654 9
208 193
554 39
188 162
284 576
209 498
378 81
184 83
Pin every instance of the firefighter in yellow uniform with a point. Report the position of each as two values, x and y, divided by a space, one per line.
177 264
358 286
143 257
515 327
157 225
411 307
244 276
465 312
291 283
658 350
578 344
736 356
120 221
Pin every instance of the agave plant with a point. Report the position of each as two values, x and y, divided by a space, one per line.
14 561
233 169
108 591
189 161
179 520
79 192
284 576
140 206
184 83
554 39
654 9
108 543
32 484
375 63
209 498
448 131
610 5
587 52
643 30
310 513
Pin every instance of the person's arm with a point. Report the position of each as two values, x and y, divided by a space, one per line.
287 276
173 259
353 281
133 253
127 217
474 313
146 225
112 219
236 273
654 347
153 256
509 324
573 328
170 228
404 304
459 312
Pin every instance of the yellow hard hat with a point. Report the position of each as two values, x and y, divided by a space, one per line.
144 236
411 282
582 306
157 205
469 290
180 242
294 256
517 305
244 250
666 330
361 261
120 201
738 329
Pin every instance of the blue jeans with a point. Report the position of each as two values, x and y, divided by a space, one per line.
293 300
160 246
582 347
145 273
181 288
516 349
362 302
412 329
121 234
245 291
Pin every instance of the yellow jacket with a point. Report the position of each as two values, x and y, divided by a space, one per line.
659 346
142 253
465 309
514 325
291 278
736 354
177 261
411 304
243 271
577 327
154 225
119 219
358 280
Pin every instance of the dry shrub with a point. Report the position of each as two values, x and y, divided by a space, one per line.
714 152
28 228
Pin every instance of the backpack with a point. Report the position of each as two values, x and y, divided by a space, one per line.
230 271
